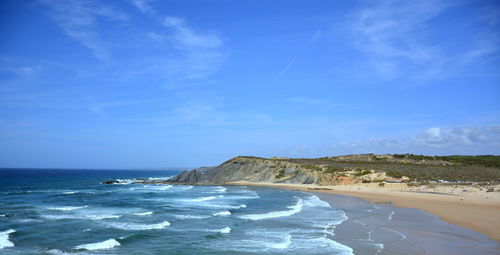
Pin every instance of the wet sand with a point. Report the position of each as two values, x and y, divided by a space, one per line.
403 230
479 211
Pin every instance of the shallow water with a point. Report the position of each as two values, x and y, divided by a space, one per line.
70 212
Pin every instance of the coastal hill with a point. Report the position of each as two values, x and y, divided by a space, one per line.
348 169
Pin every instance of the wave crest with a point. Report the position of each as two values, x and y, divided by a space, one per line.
108 244
4 239
276 214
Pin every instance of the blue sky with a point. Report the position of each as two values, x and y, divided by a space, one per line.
150 83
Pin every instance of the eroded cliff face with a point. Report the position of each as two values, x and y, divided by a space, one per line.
250 169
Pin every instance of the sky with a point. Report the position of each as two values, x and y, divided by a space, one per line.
153 84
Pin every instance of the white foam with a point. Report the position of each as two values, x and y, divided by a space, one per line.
158 187
143 213
201 199
70 192
315 201
108 244
220 189
2 215
136 226
103 216
125 181
276 214
224 213
83 216
66 208
4 239
282 245
183 217
225 230
224 206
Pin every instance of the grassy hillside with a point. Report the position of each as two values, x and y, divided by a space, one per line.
416 167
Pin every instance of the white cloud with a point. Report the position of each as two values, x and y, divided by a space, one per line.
201 51
143 5
393 31
79 18
435 140
398 39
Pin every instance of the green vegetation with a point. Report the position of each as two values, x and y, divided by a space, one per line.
394 174
280 174
362 172
334 169
482 160
312 167
462 168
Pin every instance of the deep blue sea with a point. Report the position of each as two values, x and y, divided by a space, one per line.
71 212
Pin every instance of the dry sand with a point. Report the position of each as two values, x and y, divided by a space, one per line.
466 206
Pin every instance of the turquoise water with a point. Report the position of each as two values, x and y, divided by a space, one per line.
70 212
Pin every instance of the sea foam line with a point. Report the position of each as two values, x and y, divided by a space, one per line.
224 213
293 210
201 199
136 226
143 213
66 208
4 239
108 244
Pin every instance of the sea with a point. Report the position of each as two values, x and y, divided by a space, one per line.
54 211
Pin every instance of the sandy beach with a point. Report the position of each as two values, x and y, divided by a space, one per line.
466 206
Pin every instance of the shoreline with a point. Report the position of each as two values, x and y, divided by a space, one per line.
473 210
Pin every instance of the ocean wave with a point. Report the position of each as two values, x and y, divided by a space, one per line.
108 244
69 192
242 197
315 201
66 208
157 187
4 239
137 226
202 199
296 208
224 213
125 181
184 217
217 189
82 216
222 206
143 213
282 245
159 178
225 230
325 243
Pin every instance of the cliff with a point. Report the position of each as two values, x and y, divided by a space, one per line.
250 169
346 169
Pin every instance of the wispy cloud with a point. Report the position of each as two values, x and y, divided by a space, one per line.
79 18
393 31
144 5
397 38
19 67
314 38
202 51
487 41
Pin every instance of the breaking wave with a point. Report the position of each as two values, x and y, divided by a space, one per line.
108 244
275 214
